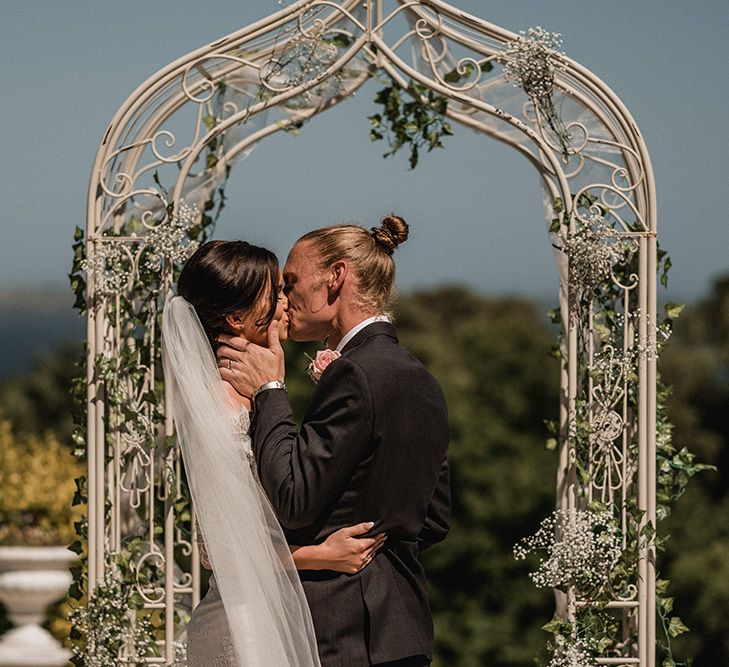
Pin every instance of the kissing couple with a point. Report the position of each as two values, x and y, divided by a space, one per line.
314 531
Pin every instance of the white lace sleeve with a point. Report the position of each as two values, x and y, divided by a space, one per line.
204 556
243 424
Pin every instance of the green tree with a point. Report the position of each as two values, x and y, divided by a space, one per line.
42 400
492 359
696 365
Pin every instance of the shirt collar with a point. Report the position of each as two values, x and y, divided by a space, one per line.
358 327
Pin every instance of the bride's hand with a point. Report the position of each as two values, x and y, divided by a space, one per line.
342 551
348 553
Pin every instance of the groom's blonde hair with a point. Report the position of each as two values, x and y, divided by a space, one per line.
369 253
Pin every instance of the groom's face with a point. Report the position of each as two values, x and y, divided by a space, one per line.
306 288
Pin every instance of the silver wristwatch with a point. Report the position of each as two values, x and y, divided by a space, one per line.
276 384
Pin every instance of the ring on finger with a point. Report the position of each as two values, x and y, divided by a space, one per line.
230 364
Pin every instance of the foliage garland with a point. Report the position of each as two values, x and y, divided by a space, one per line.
417 123
598 264
124 637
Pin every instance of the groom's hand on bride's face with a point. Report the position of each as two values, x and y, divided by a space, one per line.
248 366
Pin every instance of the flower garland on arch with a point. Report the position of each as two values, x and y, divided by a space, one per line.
418 121
590 552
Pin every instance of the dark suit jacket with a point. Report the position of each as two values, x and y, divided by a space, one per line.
372 447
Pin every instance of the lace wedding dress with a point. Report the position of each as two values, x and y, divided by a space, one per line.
209 642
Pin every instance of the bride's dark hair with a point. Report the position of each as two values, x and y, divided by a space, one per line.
226 277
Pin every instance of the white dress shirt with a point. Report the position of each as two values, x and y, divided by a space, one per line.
358 327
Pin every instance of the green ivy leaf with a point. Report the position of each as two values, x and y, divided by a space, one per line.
413 157
76 547
340 40
555 626
676 627
666 268
597 506
673 310
666 604
418 122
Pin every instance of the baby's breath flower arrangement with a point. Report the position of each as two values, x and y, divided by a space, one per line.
582 548
304 57
170 240
110 627
572 652
110 267
531 61
180 654
593 250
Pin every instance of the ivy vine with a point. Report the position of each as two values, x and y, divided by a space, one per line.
412 118
592 632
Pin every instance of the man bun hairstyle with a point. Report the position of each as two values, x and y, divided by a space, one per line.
391 233
369 254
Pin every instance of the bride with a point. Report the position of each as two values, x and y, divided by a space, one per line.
254 612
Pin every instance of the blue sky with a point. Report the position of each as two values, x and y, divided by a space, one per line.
475 208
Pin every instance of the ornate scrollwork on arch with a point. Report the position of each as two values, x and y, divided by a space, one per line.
155 194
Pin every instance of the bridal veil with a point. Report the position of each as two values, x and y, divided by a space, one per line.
267 613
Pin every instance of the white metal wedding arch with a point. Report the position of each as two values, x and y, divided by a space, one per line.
155 178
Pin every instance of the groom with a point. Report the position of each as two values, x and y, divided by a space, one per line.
372 446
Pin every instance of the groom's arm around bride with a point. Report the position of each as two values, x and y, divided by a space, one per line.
371 447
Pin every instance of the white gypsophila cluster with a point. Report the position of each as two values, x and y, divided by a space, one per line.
531 61
180 659
659 333
170 240
571 653
636 346
305 57
108 626
582 548
108 268
592 254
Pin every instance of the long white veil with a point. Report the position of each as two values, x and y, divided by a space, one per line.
264 601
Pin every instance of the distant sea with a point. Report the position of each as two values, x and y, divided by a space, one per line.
34 323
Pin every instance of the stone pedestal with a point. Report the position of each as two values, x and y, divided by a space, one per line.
32 578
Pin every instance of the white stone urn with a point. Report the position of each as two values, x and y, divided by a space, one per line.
32 578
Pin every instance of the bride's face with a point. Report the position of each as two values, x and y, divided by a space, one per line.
257 333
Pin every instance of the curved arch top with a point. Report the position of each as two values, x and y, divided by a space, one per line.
426 42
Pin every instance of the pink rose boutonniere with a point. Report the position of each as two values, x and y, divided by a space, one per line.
322 359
